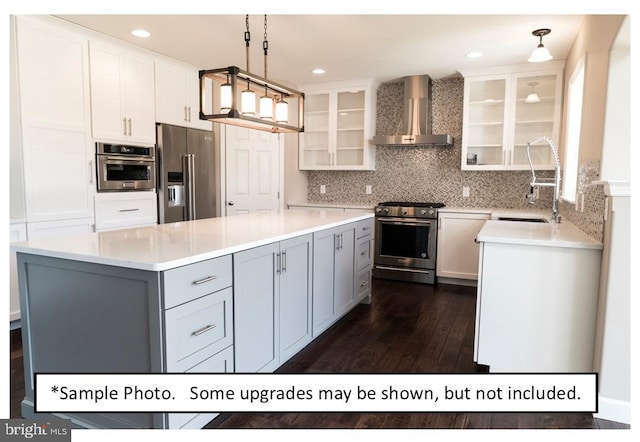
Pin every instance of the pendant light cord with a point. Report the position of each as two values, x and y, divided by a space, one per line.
265 46
247 39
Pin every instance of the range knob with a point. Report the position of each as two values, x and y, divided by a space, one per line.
404 211
423 212
431 212
385 210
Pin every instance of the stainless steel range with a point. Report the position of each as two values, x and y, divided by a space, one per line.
405 241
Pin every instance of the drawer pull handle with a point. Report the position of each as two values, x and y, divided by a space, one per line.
204 329
363 253
203 280
129 210
363 283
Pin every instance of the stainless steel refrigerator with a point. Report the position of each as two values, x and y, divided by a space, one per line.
186 174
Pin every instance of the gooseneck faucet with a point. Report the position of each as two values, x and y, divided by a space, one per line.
542 182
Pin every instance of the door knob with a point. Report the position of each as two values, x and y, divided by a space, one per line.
231 203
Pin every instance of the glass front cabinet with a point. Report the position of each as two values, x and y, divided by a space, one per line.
339 122
503 111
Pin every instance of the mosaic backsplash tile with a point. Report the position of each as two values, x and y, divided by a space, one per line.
432 173
588 212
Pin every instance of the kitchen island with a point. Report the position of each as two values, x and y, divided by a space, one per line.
537 297
229 294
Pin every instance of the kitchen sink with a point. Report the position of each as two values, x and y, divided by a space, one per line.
526 220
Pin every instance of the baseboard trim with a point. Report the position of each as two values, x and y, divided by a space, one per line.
613 410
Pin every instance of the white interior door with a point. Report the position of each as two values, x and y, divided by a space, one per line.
253 172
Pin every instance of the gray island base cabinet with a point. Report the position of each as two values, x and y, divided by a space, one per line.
243 307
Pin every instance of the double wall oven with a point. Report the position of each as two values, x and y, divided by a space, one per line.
125 168
405 241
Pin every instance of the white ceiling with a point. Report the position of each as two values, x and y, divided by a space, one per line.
384 47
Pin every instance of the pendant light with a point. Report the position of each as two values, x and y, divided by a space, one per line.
228 95
282 111
248 100
266 102
532 97
540 53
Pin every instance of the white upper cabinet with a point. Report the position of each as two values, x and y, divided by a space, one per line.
58 156
122 94
339 122
504 109
178 95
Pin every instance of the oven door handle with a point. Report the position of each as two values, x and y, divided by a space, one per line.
406 221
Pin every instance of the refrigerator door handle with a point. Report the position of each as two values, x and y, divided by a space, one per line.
189 187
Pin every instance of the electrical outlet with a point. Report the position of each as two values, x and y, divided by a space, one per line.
323 189
367 189
465 191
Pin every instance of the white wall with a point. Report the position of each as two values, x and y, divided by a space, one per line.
613 333
617 137
17 208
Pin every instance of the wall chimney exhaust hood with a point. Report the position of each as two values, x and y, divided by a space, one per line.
417 117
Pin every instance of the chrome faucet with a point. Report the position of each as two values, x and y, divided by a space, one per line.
544 182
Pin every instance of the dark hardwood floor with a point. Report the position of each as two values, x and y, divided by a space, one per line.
411 328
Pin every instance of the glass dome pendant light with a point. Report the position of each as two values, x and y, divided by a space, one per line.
248 97
532 97
541 53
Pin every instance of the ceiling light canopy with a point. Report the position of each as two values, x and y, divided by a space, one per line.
540 53
229 95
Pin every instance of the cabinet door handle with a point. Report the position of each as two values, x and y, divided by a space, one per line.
129 126
91 172
189 114
129 210
284 262
124 123
336 242
204 329
278 263
203 280
185 114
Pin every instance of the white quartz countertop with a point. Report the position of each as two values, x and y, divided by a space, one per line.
549 234
166 246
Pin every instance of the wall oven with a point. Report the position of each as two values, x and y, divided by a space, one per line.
405 241
125 168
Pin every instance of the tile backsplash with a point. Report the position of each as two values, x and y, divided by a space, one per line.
432 173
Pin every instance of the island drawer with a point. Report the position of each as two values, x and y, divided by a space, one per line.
363 254
363 284
221 362
198 329
364 227
186 283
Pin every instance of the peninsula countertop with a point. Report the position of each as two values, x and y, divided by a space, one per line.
166 246
548 234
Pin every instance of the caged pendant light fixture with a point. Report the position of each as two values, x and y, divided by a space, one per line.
540 53
229 96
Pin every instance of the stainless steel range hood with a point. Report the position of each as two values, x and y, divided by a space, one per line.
417 117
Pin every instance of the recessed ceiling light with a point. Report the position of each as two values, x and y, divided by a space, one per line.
474 54
141 33
318 71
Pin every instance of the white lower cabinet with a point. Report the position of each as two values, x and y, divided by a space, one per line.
117 210
457 247
536 308
51 229
272 303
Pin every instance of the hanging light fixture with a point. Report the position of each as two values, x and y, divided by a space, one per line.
532 97
540 53
228 96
